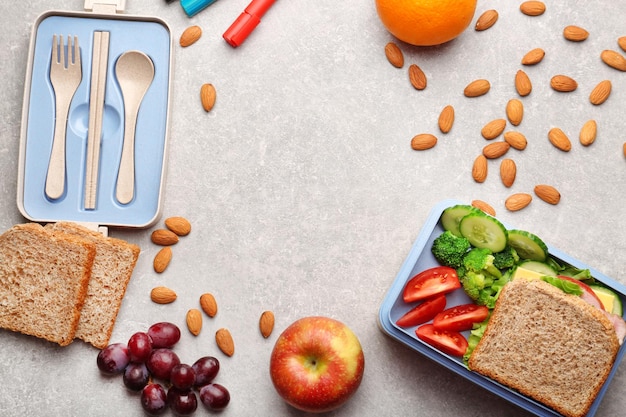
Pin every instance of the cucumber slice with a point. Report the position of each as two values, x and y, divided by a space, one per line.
528 246
451 217
608 296
540 267
483 231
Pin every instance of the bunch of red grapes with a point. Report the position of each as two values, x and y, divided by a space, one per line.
148 356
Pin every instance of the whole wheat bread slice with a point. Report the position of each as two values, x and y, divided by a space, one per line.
548 345
112 269
43 281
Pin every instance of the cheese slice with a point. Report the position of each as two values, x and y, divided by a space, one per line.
527 274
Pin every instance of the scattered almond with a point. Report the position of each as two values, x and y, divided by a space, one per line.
575 33
588 133
533 57
208 304
225 342
532 8
417 77
508 172
517 140
194 321
479 169
477 88
621 41
624 149
162 259
164 237
266 323
446 119
515 111
190 36
486 20
394 55
162 295
493 129
613 59
208 95
423 141
601 92
179 225
517 201
548 193
495 150
559 139
563 83
485 207
523 85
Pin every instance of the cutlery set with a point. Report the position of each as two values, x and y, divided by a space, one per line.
134 72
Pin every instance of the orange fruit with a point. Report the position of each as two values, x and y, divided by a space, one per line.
426 22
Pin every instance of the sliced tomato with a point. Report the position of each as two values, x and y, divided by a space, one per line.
588 294
461 317
423 312
452 343
433 281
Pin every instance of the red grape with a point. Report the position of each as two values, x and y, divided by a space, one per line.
113 358
183 376
154 399
136 376
161 362
164 335
206 369
182 402
214 396
139 347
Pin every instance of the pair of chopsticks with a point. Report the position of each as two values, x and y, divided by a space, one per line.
100 59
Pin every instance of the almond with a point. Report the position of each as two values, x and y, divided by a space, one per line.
495 150
548 193
190 36
486 20
517 140
477 88
621 41
417 77
225 342
508 172
446 119
613 59
164 237
162 259
588 133
601 92
532 8
523 85
162 295
423 141
563 83
533 56
194 321
179 225
208 95
575 33
559 139
208 304
485 207
515 111
493 129
479 169
517 201
266 323
624 149
394 55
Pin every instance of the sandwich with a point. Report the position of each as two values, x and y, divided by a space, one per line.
548 345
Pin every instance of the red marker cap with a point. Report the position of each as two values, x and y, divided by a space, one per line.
246 22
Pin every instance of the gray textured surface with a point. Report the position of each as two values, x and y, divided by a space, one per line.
305 195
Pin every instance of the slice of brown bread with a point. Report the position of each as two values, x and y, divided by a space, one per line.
548 345
43 281
112 269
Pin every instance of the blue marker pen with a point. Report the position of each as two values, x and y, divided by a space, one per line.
192 7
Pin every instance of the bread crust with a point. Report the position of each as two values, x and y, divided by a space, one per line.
550 346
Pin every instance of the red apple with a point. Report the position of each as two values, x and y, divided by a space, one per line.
317 364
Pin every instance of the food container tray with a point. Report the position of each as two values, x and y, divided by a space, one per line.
421 258
149 35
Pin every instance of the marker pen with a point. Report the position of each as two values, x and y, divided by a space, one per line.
192 7
246 22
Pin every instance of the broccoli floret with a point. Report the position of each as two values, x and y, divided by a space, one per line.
482 281
480 260
449 249
506 258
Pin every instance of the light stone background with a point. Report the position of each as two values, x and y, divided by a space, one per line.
305 196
